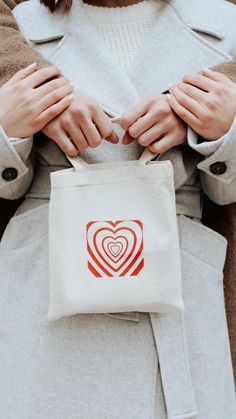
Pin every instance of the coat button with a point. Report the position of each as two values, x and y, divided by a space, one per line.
218 168
10 173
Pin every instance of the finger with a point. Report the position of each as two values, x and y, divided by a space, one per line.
142 124
53 111
191 91
182 112
153 134
187 102
66 145
77 136
164 144
127 139
22 74
219 77
91 133
50 86
105 127
42 75
200 81
134 113
113 138
54 97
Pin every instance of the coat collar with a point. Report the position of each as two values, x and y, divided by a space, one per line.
201 15
167 46
97 74
197 14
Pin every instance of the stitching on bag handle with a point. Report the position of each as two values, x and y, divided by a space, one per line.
79 164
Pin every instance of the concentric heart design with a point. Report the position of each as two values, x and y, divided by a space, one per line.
115 248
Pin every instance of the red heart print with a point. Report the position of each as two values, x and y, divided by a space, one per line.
115 248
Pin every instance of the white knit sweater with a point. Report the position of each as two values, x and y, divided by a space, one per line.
124 29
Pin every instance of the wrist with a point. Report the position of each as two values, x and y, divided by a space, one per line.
5 127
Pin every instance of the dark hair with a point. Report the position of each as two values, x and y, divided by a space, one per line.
53 4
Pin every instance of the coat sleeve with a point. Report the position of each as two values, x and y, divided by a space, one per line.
16 166
15 52
16 162
218 165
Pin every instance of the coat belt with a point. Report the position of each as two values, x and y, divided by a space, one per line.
170 338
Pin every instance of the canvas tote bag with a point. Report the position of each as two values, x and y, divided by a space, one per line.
113 240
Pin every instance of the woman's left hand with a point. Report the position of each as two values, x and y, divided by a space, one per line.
153 123
206 102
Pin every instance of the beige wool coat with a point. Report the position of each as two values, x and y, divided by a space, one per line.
131 365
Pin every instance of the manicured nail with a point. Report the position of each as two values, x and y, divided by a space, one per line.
168 96
116 119
32 65
70 98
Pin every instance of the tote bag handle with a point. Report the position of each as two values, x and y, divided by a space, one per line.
79 164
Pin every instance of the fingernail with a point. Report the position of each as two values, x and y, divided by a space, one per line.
170 86
152 151
116 119
168 96
32 65
70 98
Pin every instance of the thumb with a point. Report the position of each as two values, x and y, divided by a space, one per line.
112 138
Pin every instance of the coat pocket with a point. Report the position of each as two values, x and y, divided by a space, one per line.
26 228
205 36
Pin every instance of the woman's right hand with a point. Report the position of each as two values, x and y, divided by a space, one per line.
31 99
84 124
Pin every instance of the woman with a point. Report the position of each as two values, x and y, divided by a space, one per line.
127 365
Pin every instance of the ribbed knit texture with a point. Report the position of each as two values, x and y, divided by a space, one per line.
124 29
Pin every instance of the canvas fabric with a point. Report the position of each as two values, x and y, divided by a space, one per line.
112 229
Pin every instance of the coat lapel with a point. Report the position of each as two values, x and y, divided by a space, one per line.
83 57
162 62
80 53
95 73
